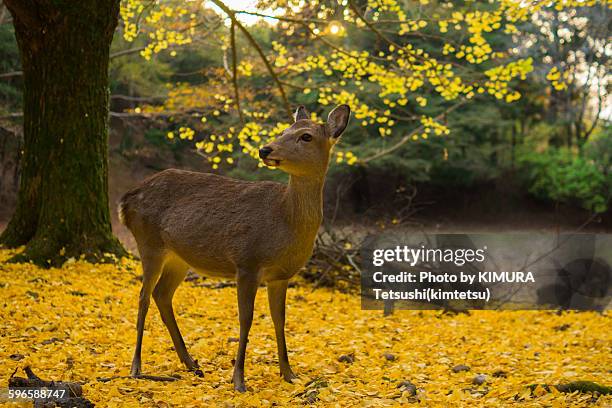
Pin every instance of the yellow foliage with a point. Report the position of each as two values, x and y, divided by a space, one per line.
398 74
500 76
557 79
78 323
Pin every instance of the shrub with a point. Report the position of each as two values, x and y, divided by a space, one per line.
561 176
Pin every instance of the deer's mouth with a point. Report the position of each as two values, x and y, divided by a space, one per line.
271 162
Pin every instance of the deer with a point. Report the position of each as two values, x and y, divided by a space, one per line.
253 232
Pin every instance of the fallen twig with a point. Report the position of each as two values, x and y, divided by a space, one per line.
161 378
72 397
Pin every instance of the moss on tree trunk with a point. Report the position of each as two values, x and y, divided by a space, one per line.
62 208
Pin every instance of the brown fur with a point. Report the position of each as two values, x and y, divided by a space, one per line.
250 231
217 224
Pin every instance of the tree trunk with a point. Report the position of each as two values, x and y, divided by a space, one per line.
62 209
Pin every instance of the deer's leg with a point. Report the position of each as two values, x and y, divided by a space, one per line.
247 289
151 268
277 292
171 278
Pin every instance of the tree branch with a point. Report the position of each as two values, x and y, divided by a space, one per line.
282 18
11 74
407 138
232 15
375 30
383 37
596 117
235 70
126 52
137 98
113 55
335 47
12 115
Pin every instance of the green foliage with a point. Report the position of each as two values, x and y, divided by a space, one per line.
560 175
130 76
600 151
158 138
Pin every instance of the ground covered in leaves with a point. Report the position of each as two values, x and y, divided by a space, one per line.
78 323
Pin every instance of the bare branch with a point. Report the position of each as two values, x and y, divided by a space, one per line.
117 54
137 98
148 115
16 115
375 30
232 15
407 138
235 70
126 52
336 48
282 18
596 118
191 112
13 74
13 115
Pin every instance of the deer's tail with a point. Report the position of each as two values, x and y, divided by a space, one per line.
121 211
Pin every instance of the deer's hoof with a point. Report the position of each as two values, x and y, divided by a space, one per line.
240 388
198 372
191 364
288 375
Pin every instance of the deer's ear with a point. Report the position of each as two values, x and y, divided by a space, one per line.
301 113
337 120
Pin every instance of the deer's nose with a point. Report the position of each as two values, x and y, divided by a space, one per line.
264 152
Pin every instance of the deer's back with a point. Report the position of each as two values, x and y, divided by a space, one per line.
212 222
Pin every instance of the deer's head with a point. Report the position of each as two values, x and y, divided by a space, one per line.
303 149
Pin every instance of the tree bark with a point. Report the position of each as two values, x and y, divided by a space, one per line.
62 209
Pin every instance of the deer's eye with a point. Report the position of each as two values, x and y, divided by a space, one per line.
306 137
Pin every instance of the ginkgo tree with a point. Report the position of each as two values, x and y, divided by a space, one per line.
62 207
389 84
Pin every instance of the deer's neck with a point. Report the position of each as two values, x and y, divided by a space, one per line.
304 204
